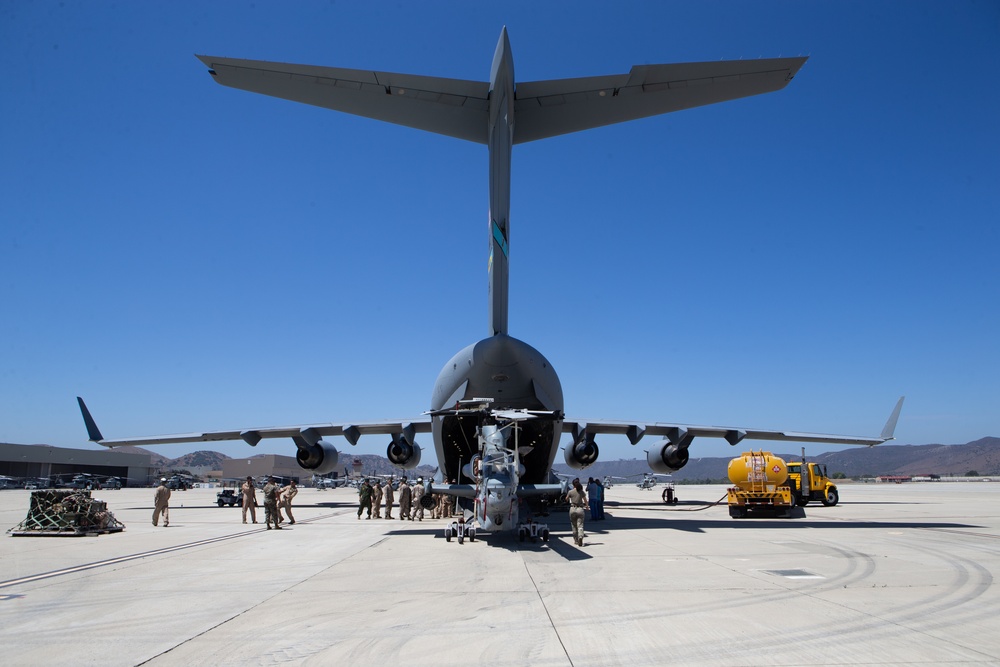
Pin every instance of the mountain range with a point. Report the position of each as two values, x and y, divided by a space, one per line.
981 456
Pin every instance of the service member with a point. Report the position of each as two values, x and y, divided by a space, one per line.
577 501
405 496
161 503
418 493
377 500
285 500
365 499
271 503
387 492
249 492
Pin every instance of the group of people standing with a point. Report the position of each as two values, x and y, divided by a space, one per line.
371 496
276 498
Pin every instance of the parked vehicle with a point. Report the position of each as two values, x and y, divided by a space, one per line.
228 497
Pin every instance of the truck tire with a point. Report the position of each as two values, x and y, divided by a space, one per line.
220 503
831 498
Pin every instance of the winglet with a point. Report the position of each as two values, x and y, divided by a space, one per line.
93 433
890 426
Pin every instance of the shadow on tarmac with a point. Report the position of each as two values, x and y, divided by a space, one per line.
792 523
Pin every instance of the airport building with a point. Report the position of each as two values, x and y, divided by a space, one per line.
268 464
43 461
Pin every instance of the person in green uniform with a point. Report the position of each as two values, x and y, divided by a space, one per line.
271 490
365 496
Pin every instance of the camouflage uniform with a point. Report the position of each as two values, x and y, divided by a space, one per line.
365 496
271 504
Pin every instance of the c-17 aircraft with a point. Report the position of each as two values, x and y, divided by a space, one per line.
496 414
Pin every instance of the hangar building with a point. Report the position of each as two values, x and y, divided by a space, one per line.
46 461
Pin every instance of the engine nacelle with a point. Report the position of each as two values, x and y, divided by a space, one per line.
320 458
581 454
668 458
403 454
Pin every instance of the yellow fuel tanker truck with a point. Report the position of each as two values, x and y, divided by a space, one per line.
760 486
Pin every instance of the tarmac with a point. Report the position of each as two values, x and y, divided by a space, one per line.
893 575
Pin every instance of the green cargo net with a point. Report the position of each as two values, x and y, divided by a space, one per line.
55 512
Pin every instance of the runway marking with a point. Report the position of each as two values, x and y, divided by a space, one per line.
144 554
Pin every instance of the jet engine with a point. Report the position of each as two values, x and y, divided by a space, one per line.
668 458
320 458
403 454
581 454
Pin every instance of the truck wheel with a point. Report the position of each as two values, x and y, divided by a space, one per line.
736 512
831 498
220 503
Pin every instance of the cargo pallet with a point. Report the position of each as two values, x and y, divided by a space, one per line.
66 513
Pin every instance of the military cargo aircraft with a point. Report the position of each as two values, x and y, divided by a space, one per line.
496 416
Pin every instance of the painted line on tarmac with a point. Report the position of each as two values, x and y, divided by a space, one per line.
144 554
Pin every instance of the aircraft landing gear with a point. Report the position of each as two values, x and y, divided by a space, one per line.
533 531
460 530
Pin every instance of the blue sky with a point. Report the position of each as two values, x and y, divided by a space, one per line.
191 257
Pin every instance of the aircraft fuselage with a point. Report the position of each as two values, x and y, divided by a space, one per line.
508 371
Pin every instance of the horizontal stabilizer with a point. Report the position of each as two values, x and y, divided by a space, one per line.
453 107
549 108
460 108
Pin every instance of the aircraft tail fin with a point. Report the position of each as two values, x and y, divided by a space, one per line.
93 433
890 426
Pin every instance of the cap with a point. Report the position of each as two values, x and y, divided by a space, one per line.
163 479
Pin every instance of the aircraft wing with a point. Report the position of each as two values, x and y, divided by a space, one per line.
550 108
453 107
684 433
460 108
351 431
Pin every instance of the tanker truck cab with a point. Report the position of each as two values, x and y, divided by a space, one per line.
817 486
